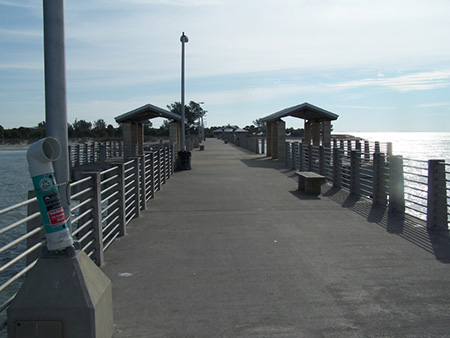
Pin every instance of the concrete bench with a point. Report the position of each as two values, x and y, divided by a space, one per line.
309 181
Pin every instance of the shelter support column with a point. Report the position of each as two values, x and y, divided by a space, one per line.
269 138
316 133
133 139
274 139
307 138
175 133
326 133
281 141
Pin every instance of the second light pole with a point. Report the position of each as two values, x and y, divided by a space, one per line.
184 156
184 39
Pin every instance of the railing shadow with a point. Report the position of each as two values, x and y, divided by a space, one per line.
407 227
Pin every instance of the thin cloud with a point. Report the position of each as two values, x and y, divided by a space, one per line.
16 4
363 107
403 83
434 105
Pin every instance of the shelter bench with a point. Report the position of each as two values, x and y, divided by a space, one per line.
309 181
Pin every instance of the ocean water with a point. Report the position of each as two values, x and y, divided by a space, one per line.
413 145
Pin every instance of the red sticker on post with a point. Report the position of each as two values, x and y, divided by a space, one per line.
57 217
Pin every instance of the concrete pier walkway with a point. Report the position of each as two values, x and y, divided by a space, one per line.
231 249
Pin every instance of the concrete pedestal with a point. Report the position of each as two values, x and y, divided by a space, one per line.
63 296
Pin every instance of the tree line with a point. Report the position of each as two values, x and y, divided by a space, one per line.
99 129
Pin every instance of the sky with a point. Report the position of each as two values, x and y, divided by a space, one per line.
381 65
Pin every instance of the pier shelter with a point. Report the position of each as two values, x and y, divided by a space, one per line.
317 127
133 127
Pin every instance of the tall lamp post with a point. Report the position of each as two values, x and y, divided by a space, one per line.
200 123
184 39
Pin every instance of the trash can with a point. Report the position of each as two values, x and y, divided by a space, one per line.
184 160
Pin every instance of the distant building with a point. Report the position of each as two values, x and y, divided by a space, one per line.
231 133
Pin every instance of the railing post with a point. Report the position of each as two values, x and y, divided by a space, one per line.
379 180
156 170
389 151
310 157
92 159
32 209
288 154
167 161
96 215
396 185
366 151
295 155
142 181
437 217
121 199
102 153
337 167
355 172
162 168
301 152
321 160
86 153
137 186
377 147
152 174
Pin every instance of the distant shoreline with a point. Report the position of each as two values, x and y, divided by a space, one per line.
10 147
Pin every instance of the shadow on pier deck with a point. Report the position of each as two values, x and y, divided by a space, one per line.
231 249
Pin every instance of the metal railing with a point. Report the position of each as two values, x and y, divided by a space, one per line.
103 203
417 188
89 152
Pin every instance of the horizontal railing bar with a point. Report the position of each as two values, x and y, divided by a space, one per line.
413 160
129 219
110 215
74 196
83 180
109 179
418 196
18 205
20 239
415 174
82 227
106 246
87 212
110 206
416 210
19 222
110 188
86 235
105 229
414 202
88 244
82 204
17 276
109 170
22 255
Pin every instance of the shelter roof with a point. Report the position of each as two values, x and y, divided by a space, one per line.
305 111
146 112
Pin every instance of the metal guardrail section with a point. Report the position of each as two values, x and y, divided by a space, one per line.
103 203
86 153
418 188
